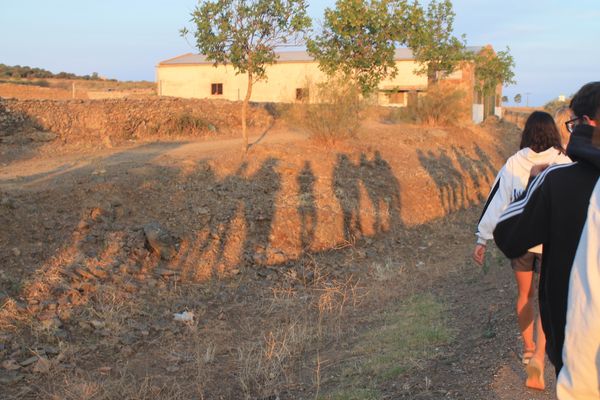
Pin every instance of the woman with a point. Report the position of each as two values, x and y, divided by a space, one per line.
561 116
540 146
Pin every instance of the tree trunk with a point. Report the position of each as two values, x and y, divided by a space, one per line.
431 77
245 111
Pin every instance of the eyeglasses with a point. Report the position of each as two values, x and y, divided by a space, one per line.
570 124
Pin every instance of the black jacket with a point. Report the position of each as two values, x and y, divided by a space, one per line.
553 212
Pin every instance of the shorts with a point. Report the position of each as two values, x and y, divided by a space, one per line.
527 262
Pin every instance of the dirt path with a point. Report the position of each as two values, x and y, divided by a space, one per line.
34 172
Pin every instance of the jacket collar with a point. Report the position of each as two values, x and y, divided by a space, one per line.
584 144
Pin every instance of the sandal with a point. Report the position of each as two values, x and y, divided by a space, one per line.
535 375
526 356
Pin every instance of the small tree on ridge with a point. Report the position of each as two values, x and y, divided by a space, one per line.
245 33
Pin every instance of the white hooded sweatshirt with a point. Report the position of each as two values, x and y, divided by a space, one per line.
510 184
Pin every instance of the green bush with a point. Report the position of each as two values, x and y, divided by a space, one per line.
188 124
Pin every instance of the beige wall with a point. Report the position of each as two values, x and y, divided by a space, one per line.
194 81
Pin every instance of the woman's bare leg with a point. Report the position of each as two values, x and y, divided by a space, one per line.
525 307
535 373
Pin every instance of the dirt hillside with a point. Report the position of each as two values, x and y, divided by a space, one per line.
179 269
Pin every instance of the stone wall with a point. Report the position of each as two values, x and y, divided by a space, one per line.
117 120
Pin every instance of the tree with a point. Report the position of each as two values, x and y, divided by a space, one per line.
493 69
245 33
517 98
432 41
359 40
504 99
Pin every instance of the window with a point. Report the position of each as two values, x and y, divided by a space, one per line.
397 97
216 88
302 94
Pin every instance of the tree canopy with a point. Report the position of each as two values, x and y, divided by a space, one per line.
432 40
493 69
359 39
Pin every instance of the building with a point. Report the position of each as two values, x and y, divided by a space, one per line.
288 80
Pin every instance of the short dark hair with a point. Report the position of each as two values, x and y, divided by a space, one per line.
540 132
587 101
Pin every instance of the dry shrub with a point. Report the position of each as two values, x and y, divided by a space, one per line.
264 366
441 105
333 112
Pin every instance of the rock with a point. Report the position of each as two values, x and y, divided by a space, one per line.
10 365
16 252
104 370
51 350
40 136
160 241
97 324
172 368
8 202
82 225
29 361
164 272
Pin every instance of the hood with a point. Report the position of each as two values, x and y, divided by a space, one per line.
585 144
527 158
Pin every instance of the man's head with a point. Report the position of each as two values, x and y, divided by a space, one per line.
586 103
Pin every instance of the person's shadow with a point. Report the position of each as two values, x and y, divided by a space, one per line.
307 209
345 187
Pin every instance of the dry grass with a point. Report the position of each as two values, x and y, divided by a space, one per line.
440 106
333 113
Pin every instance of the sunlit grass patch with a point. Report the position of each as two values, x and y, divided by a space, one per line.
403 337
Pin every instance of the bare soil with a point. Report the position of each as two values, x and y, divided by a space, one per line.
312 271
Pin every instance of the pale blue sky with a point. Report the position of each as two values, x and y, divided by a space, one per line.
556 47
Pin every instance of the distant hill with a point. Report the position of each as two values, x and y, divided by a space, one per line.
25 72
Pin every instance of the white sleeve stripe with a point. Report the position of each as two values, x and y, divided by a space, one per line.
518 206
538 180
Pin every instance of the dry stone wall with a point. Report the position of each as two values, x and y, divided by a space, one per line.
116 120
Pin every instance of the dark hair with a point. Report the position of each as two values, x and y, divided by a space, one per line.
587 101
540 132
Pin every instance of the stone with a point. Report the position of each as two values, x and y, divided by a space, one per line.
39 136
51 350
165 272
97 324
160 241
16 252
29 361
10 365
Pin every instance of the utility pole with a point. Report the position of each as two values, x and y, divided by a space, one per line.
527 99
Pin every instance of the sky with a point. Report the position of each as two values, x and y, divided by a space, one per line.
556 48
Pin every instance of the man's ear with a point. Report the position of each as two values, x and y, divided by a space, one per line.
589 121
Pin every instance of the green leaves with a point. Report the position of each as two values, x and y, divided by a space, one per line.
246 33
493 69
432 41
359 40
